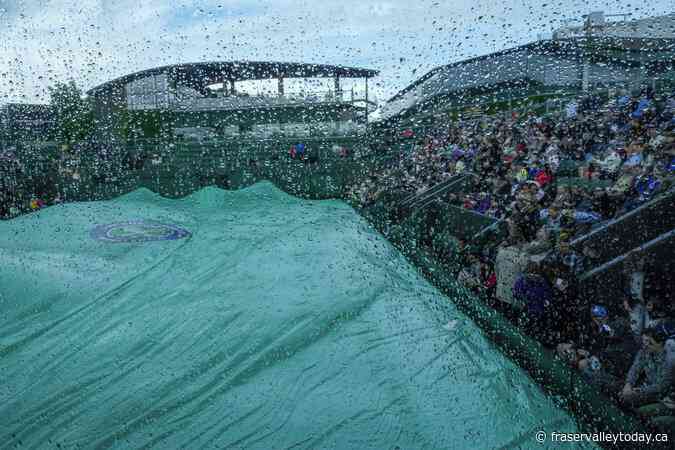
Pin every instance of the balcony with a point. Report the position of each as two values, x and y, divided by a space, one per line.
244 101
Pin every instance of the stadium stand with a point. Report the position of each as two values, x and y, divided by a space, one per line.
559 224
559 256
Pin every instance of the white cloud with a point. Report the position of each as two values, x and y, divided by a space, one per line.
92 41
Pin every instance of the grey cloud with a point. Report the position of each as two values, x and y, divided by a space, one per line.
96 40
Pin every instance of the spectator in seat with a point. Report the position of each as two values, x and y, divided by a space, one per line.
612 340
36 203
641 108
609 164
533 291
621 187
641 315
488 277
603 204
645 187
567 304
564 261
471 274
553 214
544 176
609 353
556 221
651 376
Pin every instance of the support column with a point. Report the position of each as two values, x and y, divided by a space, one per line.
281 87
337 87
366 105
232 89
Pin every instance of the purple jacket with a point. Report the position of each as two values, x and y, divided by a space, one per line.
534 291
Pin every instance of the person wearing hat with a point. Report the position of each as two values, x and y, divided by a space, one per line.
600 319
556 218
609 162
611 340
655 363
609 352
564 261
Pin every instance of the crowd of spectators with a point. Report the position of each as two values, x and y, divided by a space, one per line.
43 177
13 199
549 179
622 151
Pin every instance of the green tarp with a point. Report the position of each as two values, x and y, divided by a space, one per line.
276 323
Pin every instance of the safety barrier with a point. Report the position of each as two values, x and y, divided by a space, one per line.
630 230
603 282
591 407
429 193
461 184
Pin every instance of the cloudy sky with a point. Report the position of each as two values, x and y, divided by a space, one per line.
92 41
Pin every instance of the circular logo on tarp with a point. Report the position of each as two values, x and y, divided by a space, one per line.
138 231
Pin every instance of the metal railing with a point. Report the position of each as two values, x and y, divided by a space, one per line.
454 184
631 229
432 191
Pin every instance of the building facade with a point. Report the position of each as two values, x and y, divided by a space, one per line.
571 62
205 100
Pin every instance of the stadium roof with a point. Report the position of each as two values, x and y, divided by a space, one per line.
568 46
200 75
